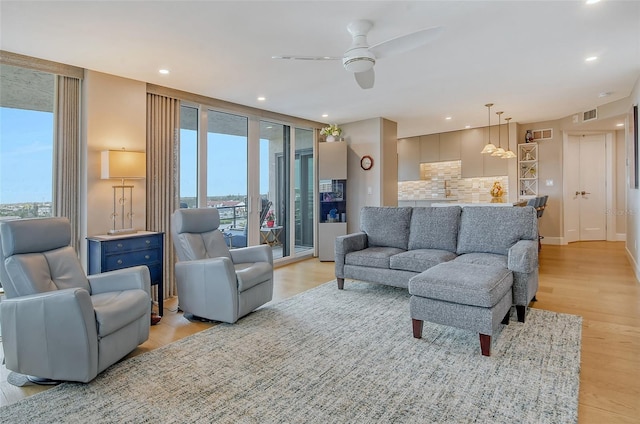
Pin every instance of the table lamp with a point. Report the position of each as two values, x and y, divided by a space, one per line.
123 165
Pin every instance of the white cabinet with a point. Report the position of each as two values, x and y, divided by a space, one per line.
472 161
430 148
450 143
409 159
527 170
332 163
332 200
440 147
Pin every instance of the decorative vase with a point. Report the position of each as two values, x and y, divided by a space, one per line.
270 224
331 138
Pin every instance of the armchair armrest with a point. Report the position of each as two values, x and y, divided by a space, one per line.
346 244
262 253
523 256
208 285
136 277
51 335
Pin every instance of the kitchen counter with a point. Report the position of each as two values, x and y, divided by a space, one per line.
426 201
478 203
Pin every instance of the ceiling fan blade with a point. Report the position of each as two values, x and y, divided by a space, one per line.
293 57
365 79
407 42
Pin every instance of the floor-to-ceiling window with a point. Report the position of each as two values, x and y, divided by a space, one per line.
188 156
226 186
267 202
26 142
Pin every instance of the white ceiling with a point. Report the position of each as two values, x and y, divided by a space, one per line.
526 57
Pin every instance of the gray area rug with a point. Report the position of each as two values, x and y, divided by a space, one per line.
330 356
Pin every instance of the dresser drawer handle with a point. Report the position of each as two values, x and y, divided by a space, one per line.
119 245
148 241
147 256
119 261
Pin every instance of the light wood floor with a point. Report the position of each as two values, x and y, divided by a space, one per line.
591 279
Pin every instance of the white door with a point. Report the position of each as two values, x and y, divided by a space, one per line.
585 198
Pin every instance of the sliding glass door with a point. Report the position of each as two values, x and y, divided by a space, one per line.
303 186
275 145
275 207
227 173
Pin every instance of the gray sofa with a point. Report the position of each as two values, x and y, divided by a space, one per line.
397 244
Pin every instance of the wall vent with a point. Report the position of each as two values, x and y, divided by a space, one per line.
590 115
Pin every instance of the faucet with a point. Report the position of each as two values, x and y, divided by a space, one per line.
447 192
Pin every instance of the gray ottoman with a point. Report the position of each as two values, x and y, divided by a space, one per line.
468 296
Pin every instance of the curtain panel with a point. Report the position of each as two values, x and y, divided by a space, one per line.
162 177
66 160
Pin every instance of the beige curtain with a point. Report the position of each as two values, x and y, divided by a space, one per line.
162 176
66 161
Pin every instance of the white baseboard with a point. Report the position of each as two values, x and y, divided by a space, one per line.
621 236
634 264
552 240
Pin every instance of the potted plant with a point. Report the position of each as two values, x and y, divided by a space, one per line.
270 218
332 132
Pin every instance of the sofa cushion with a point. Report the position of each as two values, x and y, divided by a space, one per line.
492 229
420 259
386 226
434 228
466 284
490 259
374 257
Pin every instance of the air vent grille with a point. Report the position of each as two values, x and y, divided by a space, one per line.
590 115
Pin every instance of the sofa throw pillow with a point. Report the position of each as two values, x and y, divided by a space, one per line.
434 228
493 229
386 226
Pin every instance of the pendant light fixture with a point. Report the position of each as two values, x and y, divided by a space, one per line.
499 151
489 147
509 153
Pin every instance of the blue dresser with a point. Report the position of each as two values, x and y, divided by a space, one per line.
108 253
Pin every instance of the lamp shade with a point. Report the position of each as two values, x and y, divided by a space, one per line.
123 164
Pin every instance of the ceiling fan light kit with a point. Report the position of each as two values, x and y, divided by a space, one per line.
360 58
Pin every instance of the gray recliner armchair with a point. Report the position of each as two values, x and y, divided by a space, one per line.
57 323
214 282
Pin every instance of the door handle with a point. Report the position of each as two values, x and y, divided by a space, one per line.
584 192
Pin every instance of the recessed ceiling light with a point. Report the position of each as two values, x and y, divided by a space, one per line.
620 125
593 1
164 71
604 94
448 118
262 99
325 115
591 58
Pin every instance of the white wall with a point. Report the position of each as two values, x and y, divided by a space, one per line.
633 199
114 116
376 137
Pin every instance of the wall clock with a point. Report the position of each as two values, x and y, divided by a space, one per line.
366 162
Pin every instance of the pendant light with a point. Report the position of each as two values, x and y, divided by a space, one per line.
509 153
499 151
490 147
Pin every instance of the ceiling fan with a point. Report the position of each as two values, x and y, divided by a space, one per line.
360 57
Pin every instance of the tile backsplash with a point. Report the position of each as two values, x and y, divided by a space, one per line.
443 179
